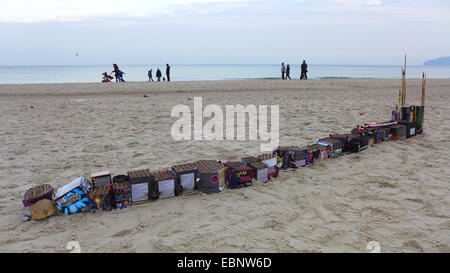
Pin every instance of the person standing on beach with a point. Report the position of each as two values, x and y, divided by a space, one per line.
158 74
168 72
116 72
304 69
288 72
283 70
150 77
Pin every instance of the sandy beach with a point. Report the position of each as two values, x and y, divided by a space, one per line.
395 193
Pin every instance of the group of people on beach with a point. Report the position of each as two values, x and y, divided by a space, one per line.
118 74
286 71
159 74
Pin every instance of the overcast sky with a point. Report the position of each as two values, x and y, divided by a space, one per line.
222 31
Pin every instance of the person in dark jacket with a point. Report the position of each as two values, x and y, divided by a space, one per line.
168 72
158 75
304 69
288 72
283 71
150 76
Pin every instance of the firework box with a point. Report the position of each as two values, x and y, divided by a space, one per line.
292 156
143 186
419 119
249 159
80 182
271 161
410 128
211 176
72 197
100 198
335 145
320 152
100 179
399 131
186 178
121 192
33 195
238 175
309 154
285 153
165 181
260 171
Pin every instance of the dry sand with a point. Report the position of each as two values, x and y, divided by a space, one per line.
396 193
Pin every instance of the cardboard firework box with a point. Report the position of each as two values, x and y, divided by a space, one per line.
285 154
121 192
305 157
186 178
409 119
335 146
363 137
399 131
101 179
211 176
238 175
249 159
143 186
271 161
165 183
260 171
100 198
351 142
292 156
410 128
320 152
387 132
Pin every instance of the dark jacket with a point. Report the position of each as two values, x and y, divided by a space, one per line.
158 73
168 70
304 66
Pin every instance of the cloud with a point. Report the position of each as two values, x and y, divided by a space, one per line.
373 2
32 11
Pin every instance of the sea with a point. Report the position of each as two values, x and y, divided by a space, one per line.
183 72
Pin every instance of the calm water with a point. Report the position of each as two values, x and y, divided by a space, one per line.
66 74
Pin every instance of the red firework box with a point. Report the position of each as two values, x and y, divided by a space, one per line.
238 175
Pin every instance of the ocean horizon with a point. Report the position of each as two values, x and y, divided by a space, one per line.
30 74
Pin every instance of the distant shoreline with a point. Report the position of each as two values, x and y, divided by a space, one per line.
217 80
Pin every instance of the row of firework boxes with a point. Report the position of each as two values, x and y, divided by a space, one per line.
210 176
104 192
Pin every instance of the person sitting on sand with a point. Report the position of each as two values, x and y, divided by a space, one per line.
158 74
304 69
